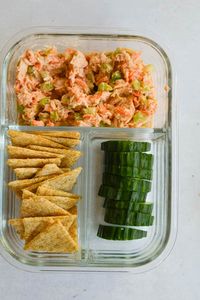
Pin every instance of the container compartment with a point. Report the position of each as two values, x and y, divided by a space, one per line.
10 210
137 251
151 54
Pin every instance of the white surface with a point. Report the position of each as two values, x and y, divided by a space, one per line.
178 23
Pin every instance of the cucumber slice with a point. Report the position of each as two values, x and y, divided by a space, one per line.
129 206
127 183
125 146
129 171
133 159
121 195
120 233
122 217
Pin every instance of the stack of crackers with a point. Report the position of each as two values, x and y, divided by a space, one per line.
42 163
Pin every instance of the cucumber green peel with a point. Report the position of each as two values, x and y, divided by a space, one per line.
125 146
127 183
133 159
129 206
129 171
120 233
124 217
121 195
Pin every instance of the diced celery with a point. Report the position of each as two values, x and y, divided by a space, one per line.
77 116
54 116
30 70
43 116
45 75
116 75
20 108
136 85
106 68
47 86
148 68
103 86
90 76
44 101
139 117
65 100
89 110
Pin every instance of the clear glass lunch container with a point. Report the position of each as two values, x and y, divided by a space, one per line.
96 254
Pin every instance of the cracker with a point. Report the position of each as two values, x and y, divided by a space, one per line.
27 194
64 202
64 141
73 231
25 173
24 139
45 191
18 225
54 238
64 182
33 226
32 162
21 184
20 152
31 207
49 169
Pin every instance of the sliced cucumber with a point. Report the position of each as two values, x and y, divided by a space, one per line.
129 171
127 183
120 233
125 146
121 195
133 159
122 217
129 206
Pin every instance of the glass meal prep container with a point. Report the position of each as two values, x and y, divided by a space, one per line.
96 254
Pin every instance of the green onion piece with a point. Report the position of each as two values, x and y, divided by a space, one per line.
136 85
116 75
20 108
104 87
30 70
44 101
54 116
47 86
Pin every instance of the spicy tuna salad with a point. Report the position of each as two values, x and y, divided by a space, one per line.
99 89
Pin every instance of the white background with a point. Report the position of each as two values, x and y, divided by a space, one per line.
178 25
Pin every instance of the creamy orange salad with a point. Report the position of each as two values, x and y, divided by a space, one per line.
99 89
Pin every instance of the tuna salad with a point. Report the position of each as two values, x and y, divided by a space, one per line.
72 88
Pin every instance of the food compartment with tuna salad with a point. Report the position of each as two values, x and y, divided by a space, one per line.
86 146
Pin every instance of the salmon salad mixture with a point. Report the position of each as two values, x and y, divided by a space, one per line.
99 89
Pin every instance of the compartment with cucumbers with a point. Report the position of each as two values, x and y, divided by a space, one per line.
126 182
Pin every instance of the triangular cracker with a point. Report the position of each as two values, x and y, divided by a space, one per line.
64 182
49 169
22 139
46 191
39 208
25 173
54 238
